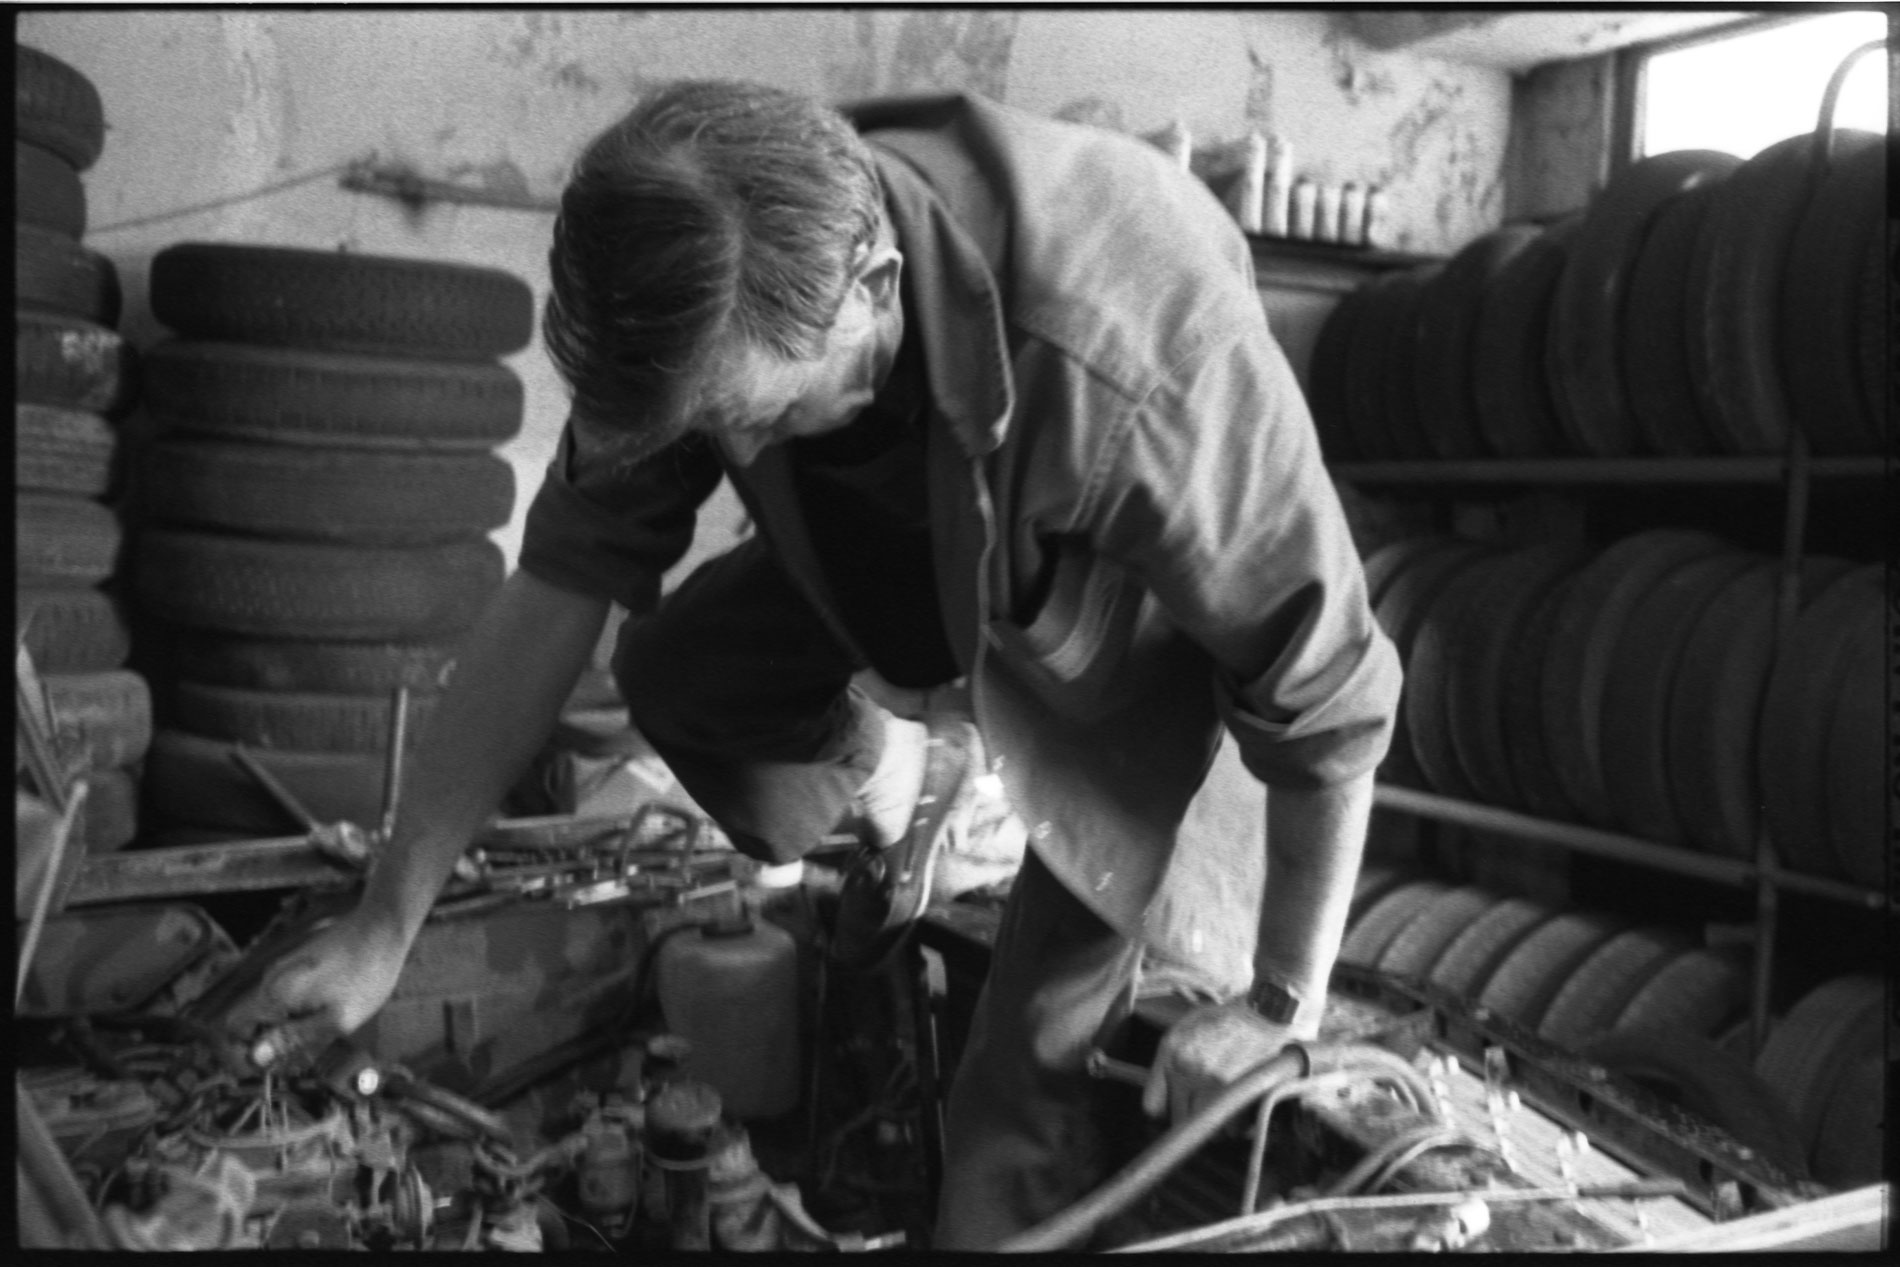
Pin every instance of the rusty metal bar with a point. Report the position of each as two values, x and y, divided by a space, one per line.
1623 848
1568 835
35 728
396 180
282 796
392 761
75 803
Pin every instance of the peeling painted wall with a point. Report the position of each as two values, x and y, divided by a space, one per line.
208 107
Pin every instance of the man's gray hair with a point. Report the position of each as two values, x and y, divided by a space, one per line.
714 207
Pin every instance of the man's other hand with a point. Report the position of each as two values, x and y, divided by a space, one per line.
1205 1052
319 991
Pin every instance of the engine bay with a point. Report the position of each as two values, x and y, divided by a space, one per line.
581 1121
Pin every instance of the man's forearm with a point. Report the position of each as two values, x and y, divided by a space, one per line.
515 669
1314 842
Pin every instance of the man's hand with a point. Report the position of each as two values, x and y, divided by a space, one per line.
323 989
1206 1051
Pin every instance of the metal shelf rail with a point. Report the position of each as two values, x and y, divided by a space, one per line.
1614 845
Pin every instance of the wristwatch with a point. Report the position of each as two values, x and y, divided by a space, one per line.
1274 1001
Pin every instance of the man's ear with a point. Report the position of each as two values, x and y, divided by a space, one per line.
880 273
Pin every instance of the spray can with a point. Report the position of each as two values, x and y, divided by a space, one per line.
731 991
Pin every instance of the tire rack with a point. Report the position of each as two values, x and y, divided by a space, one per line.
1796 469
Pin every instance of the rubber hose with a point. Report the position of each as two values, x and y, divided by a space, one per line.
1153 1165
1144 1172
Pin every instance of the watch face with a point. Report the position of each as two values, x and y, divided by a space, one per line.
1273 1001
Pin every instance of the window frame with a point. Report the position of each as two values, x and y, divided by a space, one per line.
1629 102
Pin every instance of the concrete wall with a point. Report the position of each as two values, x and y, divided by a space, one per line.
1562 121
232 124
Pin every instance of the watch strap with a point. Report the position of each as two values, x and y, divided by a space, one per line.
1274 1001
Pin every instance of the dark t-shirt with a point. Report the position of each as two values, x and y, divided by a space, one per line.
867 506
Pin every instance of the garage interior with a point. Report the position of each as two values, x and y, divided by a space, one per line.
1610 425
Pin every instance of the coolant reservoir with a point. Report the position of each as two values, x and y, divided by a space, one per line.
731 990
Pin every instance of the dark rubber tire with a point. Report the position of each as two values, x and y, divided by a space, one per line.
296 721
1714 712
62 451
294 396
1521 710
1360 400
1418 945
1589 1003
1474 954
1602 598
332 301
1804 685
70 362
72 630
1447 325
282 589
1644 668
1817 333
47 191
63 541
343 496
1490 628
1372 883
1735 289
1517 413
1699 991
56 107
1655 337
109 821
1397 372
1850 1146
1384 564
55 273
105 716
1827 1028
1879 314
1327 378
1587 313
1428 677
1523 985
1857 766
1696 1075
196 782
328 668
1385 919
1401 611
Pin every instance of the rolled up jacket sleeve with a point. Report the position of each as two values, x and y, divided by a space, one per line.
612 532
1216 496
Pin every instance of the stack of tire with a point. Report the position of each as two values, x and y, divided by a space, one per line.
1641 999
1638 688
315 507
73 379
1700 305
1828 1057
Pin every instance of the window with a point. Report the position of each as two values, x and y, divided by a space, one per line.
1742 89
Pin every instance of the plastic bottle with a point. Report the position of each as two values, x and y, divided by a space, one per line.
1276 199
731 991
1305 204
